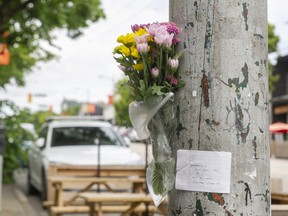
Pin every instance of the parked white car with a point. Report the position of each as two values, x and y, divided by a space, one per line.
75 141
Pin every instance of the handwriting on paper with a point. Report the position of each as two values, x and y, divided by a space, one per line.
205 171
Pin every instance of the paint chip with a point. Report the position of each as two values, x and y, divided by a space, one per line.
194 93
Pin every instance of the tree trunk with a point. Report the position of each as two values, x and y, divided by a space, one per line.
224 105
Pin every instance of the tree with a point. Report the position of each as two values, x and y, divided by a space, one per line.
15 155
30 23
224 105
272 47
121 105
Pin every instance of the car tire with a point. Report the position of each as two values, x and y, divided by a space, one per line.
31 190
44 187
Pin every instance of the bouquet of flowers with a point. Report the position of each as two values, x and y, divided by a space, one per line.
147 56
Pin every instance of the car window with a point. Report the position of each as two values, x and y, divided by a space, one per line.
65 136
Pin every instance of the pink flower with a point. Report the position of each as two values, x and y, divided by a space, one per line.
168 41
172 79
141 39
142 47
155 72
160 34
153 28
173 63
175 40
163 39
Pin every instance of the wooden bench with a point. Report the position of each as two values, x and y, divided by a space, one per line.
100 203
58 205
91 171
107 209
279 210
278 198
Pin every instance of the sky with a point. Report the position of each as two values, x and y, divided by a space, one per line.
86 71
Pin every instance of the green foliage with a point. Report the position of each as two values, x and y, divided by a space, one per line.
31 22
272 47
272 39
15 155
72 111
121 105
39 118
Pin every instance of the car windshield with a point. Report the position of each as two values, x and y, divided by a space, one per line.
66 136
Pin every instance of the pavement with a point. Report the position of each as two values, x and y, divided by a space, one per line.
15 202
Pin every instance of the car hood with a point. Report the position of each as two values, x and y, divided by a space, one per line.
88 155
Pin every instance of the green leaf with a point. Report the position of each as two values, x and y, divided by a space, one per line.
123 62
181 84
157 180
157 90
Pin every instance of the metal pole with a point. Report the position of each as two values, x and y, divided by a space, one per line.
224 105
97 141
2 151
146 165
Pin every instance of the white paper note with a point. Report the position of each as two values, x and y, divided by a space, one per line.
204 171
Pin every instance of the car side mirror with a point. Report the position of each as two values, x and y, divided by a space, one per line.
127 140
40 142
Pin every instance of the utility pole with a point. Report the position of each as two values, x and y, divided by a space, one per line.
224 105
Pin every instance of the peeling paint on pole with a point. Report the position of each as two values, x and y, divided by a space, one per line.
224 105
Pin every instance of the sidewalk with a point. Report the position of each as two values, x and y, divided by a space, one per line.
15 202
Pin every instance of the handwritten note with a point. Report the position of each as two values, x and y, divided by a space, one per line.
205 171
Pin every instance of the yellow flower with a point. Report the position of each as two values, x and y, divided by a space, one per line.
127 39
134 52
124 50
138 67
141 31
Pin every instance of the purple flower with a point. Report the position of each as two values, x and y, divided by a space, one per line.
136 27
171 28
142 47
173 63
155 72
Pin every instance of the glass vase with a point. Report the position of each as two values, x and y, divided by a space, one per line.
154 119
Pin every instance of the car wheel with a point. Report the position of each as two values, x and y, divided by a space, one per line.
30 188
44 187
